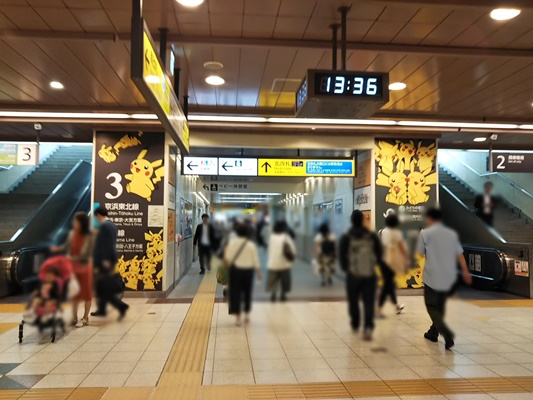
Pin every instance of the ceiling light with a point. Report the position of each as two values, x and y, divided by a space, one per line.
332 121
143 116
153 79
397 86
249 194
480 139
213 65
446 124
225 118
31 114
215 80
503 14
190 3
56 85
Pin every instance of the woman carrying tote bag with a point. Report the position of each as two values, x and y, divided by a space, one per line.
281 256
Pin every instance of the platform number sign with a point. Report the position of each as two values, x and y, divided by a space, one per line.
512 162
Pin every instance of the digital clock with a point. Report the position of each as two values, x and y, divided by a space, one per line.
341 94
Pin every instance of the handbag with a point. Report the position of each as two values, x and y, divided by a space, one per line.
287 251
223 270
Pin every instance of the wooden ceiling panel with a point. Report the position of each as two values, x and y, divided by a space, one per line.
230 58
277 66
366 10
261 7
193 18
359 60
443 33
24 18
522 42
476 33
195 29
383 31
59 19
14 92
160 19
318 29
357 30
227 25
413 33
122 5
399 13
195 57
435 14
83 4
385 62
234 7
505 35
5 23
258 26
297 8
290 27
47 3
251 69
121 20
93 20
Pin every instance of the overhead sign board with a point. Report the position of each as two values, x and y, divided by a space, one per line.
301 167
512 162
200 166
148 74
237 166
19 154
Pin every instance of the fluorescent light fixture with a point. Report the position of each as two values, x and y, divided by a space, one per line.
331 121
249 194
526 127
243 201
222 199
225 118
31 114
143 116
504 14
480 139
199 194
215 80
56 85
153 79
446 124
190 3
397 86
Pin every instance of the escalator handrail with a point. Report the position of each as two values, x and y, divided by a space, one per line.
49 199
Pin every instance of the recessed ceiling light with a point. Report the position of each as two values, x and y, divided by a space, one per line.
152 79
215 80
56 85
213 65
503 14
480 139
190 3
397 86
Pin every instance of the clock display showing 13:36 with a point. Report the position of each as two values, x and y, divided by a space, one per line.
349 85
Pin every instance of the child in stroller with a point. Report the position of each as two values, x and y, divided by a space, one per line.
44 307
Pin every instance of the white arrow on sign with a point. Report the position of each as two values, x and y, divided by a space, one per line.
200 165
237 166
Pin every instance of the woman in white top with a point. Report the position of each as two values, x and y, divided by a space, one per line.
241 257
395 261
281 256
325 253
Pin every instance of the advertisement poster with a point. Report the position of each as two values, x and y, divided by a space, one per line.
362 198
171 236
363 173
186 219
406 185
129 183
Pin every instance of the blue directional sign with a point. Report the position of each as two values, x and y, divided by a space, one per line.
330 167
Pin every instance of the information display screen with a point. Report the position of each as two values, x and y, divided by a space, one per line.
348 84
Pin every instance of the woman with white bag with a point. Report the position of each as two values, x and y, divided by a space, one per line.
395 261
79 248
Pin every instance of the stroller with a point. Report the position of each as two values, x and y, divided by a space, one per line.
68 287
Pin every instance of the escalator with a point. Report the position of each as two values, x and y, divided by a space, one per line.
494 262
21 256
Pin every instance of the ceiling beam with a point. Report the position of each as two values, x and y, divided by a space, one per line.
275 43
467 3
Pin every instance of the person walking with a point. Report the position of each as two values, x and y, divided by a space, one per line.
240 256
205 240
359 254
281 256
79 248
485 203
105 257
441 247
325 254
395 261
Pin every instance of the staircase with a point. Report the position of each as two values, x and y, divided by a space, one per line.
17 207
508 221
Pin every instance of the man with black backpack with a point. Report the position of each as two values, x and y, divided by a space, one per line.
359 253
325 254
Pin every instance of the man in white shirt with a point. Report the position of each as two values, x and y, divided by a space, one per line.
204 238
442 250
485 203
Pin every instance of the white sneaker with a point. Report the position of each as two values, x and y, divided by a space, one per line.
399 308
82 322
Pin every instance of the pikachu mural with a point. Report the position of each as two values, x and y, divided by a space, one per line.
406 184
129 181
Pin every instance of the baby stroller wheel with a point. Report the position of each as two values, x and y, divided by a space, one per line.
21 331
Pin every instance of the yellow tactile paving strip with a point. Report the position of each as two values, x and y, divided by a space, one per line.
12 308
502 303
6 326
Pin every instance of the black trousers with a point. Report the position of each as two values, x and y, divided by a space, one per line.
436 307
240 290
107 291
204 254
359 288
389 286
282 276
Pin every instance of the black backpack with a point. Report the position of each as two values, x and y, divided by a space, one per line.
327 247
361 256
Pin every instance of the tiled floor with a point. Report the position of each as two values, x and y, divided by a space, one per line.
104 354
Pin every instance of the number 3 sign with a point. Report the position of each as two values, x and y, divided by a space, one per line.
27 154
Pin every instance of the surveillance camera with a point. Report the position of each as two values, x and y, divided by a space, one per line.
37 127
493 137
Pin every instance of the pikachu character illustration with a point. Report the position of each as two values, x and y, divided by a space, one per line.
386 155
418 184
406 155
154 240
122 266
106 154
148 271
144 176
397 184
125 142
426 156
132 275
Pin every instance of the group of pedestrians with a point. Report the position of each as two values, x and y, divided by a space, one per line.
93 256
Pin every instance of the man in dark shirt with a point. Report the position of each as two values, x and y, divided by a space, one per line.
206 240
104 259
485 203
